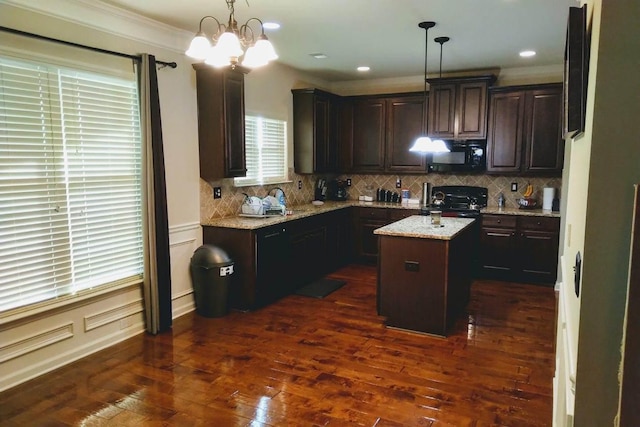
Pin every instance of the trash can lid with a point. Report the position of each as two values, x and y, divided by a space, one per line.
209 256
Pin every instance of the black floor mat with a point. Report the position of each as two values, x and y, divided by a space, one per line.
320 288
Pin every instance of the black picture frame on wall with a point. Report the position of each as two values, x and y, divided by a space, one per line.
576 72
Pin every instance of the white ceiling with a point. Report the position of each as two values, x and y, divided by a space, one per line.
384 34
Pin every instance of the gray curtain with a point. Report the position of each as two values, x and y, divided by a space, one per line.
157 267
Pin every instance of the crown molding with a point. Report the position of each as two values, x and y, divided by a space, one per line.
111 20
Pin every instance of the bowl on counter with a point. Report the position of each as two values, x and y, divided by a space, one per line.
527 203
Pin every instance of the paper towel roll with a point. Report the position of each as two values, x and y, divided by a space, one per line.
548 193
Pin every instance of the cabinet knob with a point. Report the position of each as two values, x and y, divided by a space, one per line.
539 222
513 233
499 221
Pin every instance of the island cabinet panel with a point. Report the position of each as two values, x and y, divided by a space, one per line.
221 138
519 248
423 283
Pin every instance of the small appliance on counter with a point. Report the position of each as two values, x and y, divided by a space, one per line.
320 191
337 190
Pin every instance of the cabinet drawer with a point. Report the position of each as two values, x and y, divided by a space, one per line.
502 221
398 214
373 213
539 223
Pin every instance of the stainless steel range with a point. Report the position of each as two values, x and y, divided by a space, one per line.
457 201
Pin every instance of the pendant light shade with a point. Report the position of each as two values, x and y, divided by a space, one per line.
424 144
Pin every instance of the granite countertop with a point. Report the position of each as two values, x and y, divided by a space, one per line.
420 227
521 212
307 210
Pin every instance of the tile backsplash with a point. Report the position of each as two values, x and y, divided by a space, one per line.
233 197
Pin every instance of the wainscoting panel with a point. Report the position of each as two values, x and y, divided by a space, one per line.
116 314
184 239
35 342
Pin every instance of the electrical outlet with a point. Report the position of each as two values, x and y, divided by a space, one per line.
514 186
299 185
217 192
398 183
348 182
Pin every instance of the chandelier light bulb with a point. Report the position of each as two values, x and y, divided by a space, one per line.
199 47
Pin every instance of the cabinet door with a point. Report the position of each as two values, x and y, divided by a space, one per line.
321 115
538 260
442 105
220 122
234 123
404 126
543 136
497 251
506 124
272 256
471 111
368 135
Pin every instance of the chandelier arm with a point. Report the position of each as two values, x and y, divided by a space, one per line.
242 32
220 26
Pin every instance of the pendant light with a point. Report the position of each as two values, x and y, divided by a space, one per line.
424 144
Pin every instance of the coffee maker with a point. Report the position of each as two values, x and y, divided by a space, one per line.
337 190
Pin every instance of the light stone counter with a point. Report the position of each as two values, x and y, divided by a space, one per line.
420 227
520 212
299 211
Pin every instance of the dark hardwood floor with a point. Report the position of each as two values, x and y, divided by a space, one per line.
314 362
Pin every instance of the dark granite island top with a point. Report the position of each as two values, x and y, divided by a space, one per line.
424 272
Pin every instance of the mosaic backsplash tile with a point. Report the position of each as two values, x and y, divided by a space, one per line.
233 197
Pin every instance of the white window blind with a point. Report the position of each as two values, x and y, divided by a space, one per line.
265 151
70 181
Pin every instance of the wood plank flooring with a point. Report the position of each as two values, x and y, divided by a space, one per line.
314 362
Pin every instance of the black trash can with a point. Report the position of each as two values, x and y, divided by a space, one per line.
211 270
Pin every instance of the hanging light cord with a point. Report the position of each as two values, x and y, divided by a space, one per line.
425 25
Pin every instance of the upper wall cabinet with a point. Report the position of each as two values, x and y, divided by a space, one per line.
220 122
458 107
524 131
315 131
379 131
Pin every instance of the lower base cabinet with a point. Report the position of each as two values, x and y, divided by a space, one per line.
272 262
519 248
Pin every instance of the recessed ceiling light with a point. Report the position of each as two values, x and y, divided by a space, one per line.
527 53
271 25
363 68
319 55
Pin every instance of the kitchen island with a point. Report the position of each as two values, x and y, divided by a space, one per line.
425 272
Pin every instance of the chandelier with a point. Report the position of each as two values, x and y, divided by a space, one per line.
227 45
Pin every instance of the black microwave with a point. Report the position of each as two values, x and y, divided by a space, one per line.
467 156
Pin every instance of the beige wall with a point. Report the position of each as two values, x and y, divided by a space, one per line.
602 169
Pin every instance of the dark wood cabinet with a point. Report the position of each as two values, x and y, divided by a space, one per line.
382 129
458 107
368 135
524 131
272 262
220 94
366 220
315 131
404 126
521 248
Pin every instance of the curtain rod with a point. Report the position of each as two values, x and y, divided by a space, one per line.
82 46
